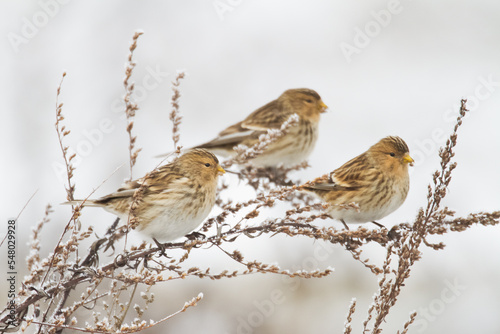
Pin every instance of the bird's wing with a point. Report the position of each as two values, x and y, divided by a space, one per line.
354 174
155 182
270 116
320 183
266 117
233 136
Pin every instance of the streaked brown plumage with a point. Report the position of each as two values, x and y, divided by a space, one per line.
176 198
377 180
290 149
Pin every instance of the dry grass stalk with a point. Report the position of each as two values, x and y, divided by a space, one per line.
431 220
347 324
61 133
413 315
175 116
104 326
130 106
18 215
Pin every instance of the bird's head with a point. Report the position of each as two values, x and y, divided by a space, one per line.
201 164
305 102
392 153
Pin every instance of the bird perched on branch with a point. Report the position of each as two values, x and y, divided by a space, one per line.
292 148
376 180
171 201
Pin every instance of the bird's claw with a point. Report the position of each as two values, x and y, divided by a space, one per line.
161 247
195 235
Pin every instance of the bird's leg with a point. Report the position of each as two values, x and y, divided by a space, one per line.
345 225
161 247
379 225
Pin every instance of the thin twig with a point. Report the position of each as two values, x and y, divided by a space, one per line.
19 214
131 107
175 116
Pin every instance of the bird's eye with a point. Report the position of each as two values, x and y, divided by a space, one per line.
309 101
207 165
392 154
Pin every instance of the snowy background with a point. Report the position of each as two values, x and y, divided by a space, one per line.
383 68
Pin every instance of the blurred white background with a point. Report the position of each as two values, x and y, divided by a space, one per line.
383 68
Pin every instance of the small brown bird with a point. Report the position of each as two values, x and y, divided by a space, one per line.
376 180
291 149
176 198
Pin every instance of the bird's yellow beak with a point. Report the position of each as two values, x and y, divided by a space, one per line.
408 159
221 170
323 106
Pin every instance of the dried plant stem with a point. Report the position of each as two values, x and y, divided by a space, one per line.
61 133
19 214
347 325
125 328
175 116
131 259
120 321
131 107
413 315
442 177
408 253
33 260
66 292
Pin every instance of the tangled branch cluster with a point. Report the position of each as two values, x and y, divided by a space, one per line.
105 284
